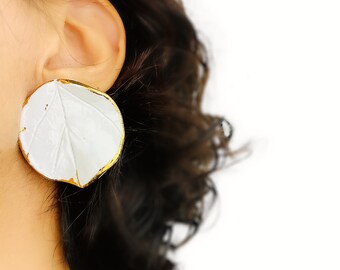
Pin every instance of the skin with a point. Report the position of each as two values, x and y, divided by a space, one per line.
83 40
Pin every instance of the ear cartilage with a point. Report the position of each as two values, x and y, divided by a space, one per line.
71 132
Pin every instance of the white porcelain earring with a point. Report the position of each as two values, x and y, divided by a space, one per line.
70 132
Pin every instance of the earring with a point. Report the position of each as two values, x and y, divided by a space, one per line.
70 132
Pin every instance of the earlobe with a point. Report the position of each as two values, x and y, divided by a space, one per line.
92 44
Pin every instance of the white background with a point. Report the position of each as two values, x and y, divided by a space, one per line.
275 77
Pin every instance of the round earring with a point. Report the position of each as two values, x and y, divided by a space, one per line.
70 132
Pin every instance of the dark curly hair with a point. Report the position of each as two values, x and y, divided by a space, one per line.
124 220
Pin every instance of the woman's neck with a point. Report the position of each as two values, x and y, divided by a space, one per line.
29 230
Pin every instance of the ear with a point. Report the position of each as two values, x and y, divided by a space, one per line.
88 46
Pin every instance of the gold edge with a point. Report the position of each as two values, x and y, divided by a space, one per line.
26 100
115 158
69 181
96 91
23 151
109 164
22 130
